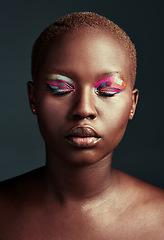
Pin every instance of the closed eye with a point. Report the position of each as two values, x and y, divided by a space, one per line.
107 92
59 89
109 86
59 85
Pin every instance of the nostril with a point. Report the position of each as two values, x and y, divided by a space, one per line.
78 116
91 117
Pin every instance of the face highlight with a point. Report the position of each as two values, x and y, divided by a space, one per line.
59 84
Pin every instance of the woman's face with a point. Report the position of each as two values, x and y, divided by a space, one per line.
83 96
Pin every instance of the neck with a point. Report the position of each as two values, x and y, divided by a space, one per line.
80 183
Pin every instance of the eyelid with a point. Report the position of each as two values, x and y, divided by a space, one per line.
52 77
111 84
110 79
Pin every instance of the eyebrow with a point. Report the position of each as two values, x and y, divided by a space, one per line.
57 77
71 74
108 74
61 72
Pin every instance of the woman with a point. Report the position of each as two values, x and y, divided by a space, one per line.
83 69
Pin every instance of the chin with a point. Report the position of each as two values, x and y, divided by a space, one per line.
83 158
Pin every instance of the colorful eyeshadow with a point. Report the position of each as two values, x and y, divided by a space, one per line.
109 86
59 84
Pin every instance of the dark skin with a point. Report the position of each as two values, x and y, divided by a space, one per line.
77 195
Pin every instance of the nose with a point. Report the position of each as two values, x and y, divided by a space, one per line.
84 106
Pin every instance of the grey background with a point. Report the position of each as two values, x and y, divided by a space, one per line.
141 152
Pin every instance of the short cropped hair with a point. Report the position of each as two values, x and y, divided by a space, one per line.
77 21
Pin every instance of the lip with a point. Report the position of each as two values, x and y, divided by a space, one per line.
83 137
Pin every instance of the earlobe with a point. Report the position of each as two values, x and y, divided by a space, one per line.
31 96
135 95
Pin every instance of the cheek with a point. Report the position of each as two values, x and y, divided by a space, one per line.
121 115
116 119
50 114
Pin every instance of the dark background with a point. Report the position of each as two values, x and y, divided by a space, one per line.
141 152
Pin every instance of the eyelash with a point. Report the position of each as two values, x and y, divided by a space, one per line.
105 94
109 92
66 87
57 91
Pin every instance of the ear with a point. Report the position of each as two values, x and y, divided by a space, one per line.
31 96
135 95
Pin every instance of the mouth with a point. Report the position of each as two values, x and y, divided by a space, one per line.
83 137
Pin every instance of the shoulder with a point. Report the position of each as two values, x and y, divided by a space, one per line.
151 204
142 190
143 207
19 197
17 188
150 210
143 194
146 205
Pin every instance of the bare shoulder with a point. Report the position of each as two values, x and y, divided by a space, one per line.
151 202
144 194
16 188
18 199
146 205
143 190
17 195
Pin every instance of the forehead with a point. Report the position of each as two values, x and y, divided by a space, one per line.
87 51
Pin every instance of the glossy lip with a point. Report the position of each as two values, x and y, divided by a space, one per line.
83 137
